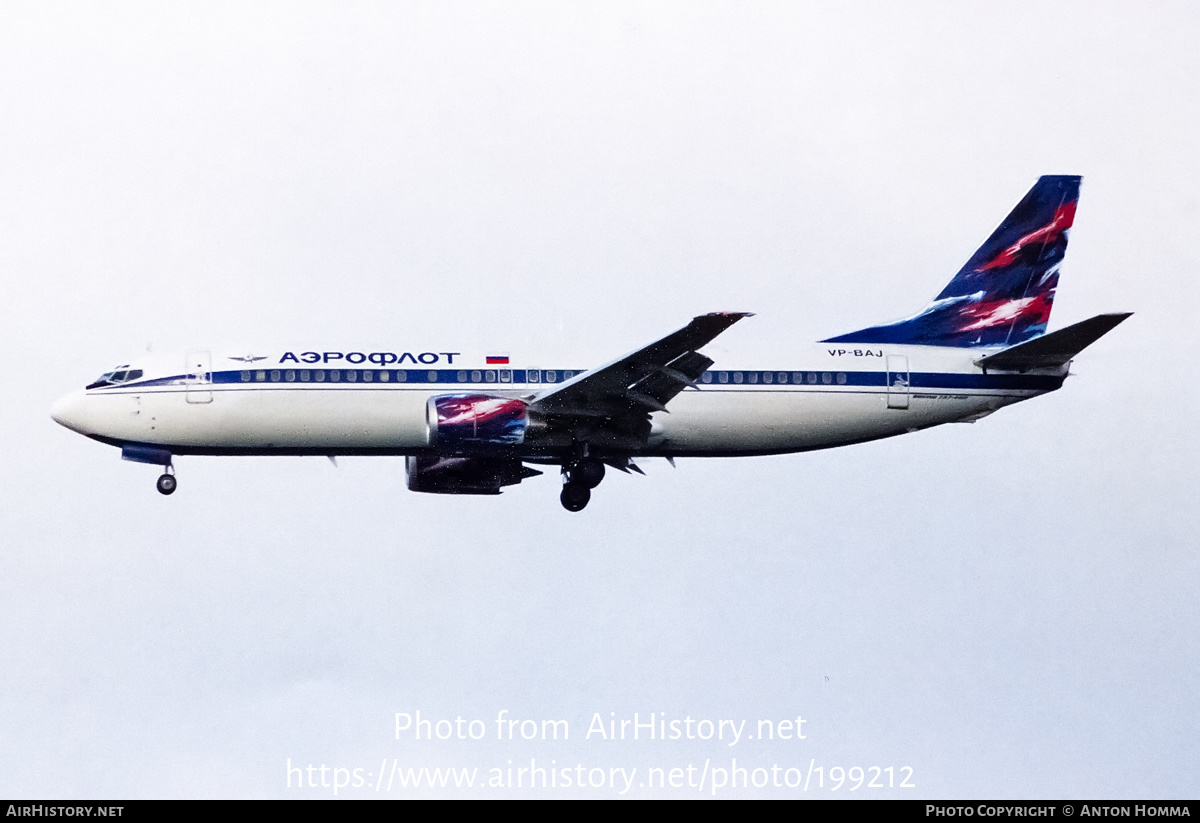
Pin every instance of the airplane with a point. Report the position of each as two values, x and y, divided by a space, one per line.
476 423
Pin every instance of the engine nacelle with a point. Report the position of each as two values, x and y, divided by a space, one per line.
460 423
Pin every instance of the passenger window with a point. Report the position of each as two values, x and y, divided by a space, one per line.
367 376
841 378
432 375
532 375
783 377
723 377
335 375
812 377
260 376
489 376
505 376
737 377
401 376
551 376
319 375
797 377
768 377
462 377
706 377
351 375
753 376
275 375
826 378
305 374
290 375
246 377
476 377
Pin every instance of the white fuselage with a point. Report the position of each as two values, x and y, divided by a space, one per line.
210 403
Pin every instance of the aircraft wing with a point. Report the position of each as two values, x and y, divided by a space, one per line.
643 381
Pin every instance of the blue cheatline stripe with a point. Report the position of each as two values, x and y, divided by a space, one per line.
491 376
1035 382
828 379
526 378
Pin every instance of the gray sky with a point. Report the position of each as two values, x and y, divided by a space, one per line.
1007 608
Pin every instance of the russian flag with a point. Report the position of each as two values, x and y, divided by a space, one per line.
497 359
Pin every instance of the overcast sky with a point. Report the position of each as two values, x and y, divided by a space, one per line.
1008 608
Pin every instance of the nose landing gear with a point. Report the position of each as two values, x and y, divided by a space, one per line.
155 457
167 482
580 478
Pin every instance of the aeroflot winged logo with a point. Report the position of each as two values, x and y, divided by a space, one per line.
1003 295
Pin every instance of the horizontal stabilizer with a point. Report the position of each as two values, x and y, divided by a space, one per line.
1055 349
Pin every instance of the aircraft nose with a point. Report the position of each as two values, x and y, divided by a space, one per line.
67 411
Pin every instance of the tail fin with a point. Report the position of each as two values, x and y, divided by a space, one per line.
1004 293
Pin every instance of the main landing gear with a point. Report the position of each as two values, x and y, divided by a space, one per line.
579 478
167 482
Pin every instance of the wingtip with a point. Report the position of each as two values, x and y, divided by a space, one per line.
1116 318
734 315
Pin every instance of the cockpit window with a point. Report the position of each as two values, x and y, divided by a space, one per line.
119 375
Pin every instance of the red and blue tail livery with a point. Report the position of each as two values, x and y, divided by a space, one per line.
472 423
1004 293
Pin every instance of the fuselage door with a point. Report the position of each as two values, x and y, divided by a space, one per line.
198 371
897 381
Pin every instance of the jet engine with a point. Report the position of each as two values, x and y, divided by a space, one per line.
476 422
